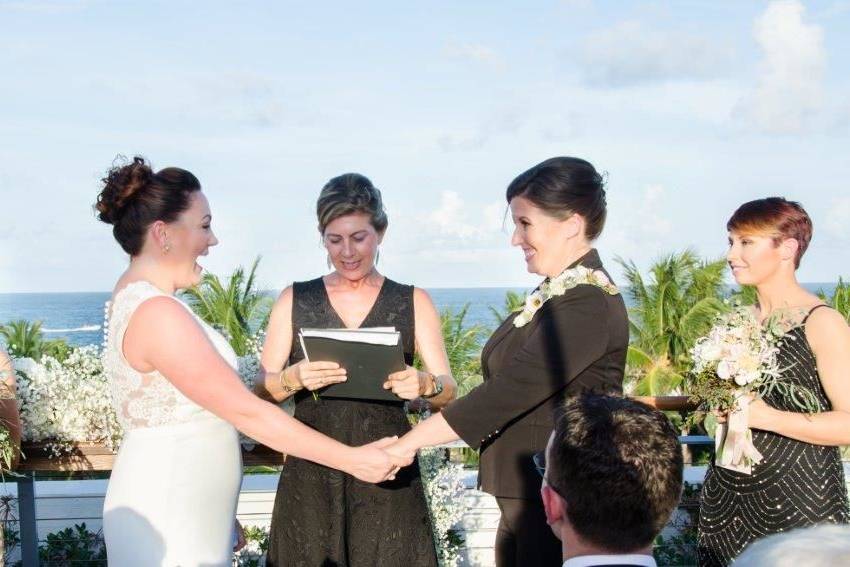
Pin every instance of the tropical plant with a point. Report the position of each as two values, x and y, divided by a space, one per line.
671 309
463 345
840 298
514 302
23 338
235 307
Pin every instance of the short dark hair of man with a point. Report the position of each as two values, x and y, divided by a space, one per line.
617 464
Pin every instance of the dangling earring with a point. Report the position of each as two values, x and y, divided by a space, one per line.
167 248
377 255
330 264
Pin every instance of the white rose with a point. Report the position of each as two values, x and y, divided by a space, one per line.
724 370
557 287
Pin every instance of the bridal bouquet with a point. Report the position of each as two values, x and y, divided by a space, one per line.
736 361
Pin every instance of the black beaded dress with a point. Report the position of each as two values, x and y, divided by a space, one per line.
797 484
326 518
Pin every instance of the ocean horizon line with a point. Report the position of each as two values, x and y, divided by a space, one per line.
277 290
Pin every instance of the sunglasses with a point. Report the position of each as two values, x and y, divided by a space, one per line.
539 460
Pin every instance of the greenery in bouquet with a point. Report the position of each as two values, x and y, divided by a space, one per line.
738 357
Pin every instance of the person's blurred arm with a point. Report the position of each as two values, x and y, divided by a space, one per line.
9 415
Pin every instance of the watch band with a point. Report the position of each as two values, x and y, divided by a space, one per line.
438 387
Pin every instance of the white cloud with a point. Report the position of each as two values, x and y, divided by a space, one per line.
838 218
789 92
452 218
476 53
475 138
629 54
639 225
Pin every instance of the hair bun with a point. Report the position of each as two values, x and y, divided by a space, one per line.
121 184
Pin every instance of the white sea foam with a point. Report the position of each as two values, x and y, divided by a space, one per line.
83 329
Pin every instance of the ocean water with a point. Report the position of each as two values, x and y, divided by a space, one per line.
78 317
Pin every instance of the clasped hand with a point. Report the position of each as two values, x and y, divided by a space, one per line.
314 375
377 462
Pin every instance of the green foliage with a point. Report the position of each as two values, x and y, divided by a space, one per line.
257 544
235 307
673 307
513 302
840 299
25 339
746 295
73 545
681 547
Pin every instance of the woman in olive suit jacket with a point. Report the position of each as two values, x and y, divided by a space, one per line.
574 341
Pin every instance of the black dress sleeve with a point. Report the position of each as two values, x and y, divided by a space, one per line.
570 333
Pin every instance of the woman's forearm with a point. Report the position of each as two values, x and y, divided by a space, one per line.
268 386
831 428
433 431
269 425
447 395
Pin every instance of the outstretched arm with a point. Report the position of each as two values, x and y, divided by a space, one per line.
163 336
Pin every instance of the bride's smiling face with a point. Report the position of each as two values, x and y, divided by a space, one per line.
188 237
542 238
352 244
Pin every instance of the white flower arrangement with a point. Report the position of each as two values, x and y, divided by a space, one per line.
68 402
566 280
736 361
444 490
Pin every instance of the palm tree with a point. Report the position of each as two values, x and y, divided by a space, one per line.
235 307
671 310
513 302
463 346
23 338
840 300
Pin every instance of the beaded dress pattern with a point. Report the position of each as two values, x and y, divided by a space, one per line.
797 484
326 518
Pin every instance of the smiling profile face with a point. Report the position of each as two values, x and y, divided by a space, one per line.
352 244
542 237
189 237
755 258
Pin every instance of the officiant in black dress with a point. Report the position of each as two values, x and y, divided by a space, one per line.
571 338
321 516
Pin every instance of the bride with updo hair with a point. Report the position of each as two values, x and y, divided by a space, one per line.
175 483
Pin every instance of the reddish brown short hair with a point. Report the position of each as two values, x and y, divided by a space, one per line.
775 217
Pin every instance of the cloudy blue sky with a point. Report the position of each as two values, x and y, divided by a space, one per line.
690 107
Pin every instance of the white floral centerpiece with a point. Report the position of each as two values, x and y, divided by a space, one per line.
736 361
566 280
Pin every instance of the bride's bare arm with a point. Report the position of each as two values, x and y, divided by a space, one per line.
163 336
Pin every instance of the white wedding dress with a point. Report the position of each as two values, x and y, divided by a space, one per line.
175 483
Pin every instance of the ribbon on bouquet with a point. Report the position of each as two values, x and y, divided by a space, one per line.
733 440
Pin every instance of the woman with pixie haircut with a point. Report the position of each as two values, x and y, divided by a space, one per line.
800 480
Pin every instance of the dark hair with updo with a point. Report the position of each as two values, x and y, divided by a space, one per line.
776 217
348 194
134 197
563 186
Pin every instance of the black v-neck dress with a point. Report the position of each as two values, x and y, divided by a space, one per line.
797 485
326 518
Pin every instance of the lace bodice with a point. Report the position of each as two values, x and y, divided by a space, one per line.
148 400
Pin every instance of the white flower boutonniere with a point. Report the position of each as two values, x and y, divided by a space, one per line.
568 279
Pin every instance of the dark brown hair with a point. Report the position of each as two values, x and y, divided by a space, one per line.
348 194
562 186
775 217
618 465
134 197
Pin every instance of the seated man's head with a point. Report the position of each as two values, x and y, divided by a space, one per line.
613 473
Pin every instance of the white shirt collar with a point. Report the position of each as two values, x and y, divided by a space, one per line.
591 560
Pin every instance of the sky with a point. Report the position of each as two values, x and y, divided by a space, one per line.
690 108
